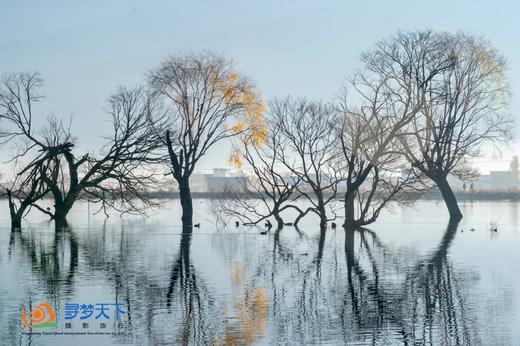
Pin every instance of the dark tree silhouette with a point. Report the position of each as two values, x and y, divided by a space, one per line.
118 178
268 192
23 192
463 93
308 150
209 102
369 135
388 100
34 147
123 172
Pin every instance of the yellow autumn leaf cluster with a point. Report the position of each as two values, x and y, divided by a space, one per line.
253 116
250 119
235 158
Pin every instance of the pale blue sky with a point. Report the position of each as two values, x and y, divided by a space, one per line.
84 50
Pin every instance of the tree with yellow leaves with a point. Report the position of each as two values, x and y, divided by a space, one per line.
209 102
462 93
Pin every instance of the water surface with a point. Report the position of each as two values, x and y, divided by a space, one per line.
411 278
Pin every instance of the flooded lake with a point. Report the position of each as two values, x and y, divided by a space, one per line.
409 279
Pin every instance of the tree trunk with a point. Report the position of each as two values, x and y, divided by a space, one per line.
350 197
61 210
186 203
323 222
449 199
16 221
16 217
278 219
323 215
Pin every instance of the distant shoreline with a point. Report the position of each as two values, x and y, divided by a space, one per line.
462 196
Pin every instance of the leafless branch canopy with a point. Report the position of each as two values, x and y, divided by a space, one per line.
124 171
308 149
33 150
268 192
462 107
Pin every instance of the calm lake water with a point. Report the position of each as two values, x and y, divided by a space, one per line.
409 279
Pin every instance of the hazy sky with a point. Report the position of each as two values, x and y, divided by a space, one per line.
84 50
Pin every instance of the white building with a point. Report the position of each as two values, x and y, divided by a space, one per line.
217 181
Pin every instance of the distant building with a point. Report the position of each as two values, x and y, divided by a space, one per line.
217 181
221 172
499 180
495 180
221 179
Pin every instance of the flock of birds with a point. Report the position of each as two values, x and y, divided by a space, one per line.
493 229
269 225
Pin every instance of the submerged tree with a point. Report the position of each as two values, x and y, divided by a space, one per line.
370 138
123 172
34 147
462 104
118 178
23 192
209 102
308 150
268 191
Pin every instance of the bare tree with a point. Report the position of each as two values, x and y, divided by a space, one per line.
118 178
308 150
209 102
123 172
23 191
34 147
370 146
462 103
268 192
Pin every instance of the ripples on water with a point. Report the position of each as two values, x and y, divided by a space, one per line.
409 279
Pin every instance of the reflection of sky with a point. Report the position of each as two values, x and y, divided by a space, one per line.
303 48
140 254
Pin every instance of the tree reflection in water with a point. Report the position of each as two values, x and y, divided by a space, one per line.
353 289
190 291
435 299
55 263
378 297
427 307
52 264
245 324
203 322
